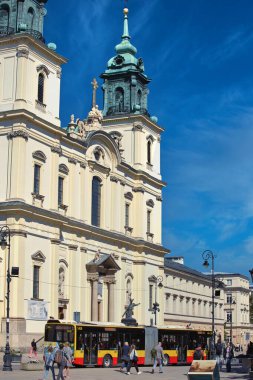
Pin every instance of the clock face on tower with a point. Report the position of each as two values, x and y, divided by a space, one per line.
119 60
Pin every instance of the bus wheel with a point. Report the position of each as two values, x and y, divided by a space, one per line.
166 360
107 361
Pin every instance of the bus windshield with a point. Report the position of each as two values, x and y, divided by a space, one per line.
59 333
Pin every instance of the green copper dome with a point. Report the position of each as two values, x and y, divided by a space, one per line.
125 84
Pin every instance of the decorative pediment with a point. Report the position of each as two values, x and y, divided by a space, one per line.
150 203
38 256
63 169
43 69
102 263
150 138
39 155
129 196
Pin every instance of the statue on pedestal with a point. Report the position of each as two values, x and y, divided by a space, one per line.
129 320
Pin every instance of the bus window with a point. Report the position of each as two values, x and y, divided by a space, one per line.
59 333
107 341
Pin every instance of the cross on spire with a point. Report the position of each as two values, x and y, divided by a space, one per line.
94 84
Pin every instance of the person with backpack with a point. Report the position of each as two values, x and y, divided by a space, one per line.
61 360
133 360
67 350
219 353
198 353
158 358
49 363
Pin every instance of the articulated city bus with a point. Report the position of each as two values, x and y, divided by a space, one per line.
101 344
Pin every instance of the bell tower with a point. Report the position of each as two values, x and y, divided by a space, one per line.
30 70
22 16
125 83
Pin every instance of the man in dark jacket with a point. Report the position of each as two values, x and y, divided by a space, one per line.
125 356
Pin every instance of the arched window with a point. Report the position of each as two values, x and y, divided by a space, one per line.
139 95
96 201
4 17
119 99
41 80
149 152
30 18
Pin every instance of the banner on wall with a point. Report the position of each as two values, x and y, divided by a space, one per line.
37 310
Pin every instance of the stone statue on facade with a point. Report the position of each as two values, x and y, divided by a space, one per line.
128 314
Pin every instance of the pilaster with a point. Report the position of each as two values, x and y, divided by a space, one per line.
17 163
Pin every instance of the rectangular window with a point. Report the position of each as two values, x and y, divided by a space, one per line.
229 316
229 298
36 184
127 207
148 221
36 281
229 282
60 190
150 296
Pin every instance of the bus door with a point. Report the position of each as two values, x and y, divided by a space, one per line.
90 348
182 348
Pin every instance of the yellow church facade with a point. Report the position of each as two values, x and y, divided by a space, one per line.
83 204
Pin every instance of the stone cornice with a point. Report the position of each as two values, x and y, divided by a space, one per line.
77 226
14 39
131 118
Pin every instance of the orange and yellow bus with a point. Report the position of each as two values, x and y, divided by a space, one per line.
101 344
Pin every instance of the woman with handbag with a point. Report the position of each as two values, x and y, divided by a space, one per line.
133 360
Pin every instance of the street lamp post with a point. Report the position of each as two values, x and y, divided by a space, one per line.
158 283
231 302
5 237
208 255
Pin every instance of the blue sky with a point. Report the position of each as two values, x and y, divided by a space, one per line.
199 56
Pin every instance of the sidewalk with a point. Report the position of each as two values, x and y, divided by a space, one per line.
169 373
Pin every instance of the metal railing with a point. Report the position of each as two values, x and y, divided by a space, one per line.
6 31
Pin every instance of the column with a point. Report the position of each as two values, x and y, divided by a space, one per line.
100 311
94 300
110 301
137 153
53 296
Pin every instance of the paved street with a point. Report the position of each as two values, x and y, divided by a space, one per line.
173 372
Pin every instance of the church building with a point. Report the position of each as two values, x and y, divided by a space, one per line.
83 204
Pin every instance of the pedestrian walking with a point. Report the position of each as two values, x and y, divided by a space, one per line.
68 352
228 354
49 363
61 360
198 353
125 356
133 360
33 349
219 354
158 358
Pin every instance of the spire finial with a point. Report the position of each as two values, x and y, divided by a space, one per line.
94 87
125 30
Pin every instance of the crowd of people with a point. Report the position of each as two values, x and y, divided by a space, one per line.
62 356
